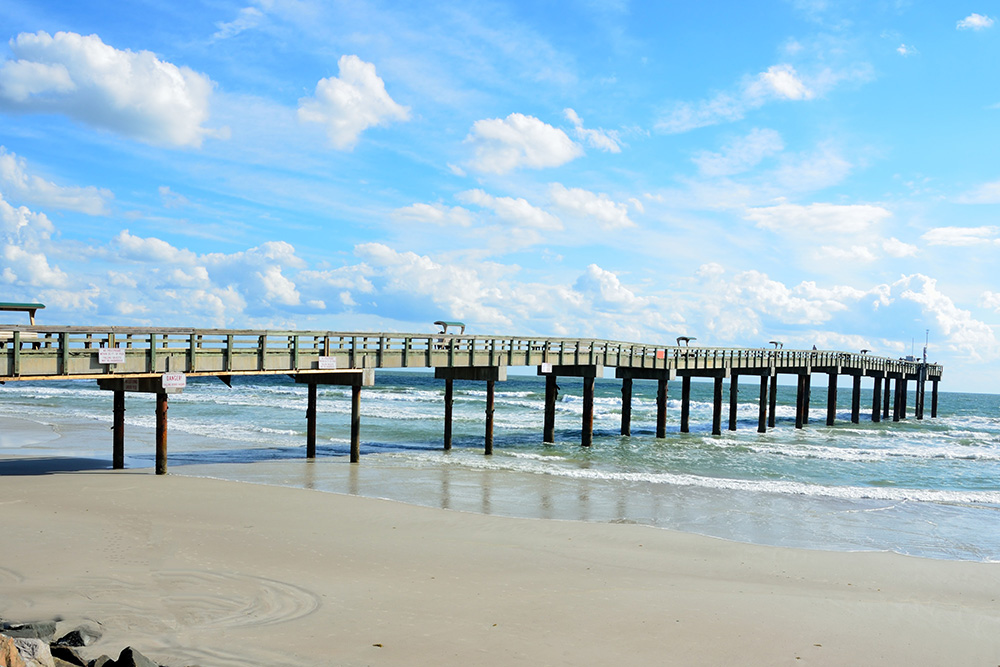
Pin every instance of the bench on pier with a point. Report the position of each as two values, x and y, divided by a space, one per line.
29 308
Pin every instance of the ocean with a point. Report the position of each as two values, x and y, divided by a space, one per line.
927 488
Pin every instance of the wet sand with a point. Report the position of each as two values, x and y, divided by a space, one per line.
209 572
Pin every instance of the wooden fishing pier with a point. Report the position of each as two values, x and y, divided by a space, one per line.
158 360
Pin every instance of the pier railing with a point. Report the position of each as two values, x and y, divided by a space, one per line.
38 352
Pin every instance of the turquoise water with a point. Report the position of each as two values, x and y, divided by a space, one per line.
928 488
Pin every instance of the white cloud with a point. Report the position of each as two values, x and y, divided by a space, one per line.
519 141
15 181
906 51
991 300
740 154
851 254
815 170
605 290
514 210
778 82
896 248
605 140
24 237
247 19
987 193
132 93
351 103
608 213
437 214
975 22
964 333
831 219
962 236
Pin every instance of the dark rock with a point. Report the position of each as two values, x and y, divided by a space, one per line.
103 661
44 630
67 654
82 636
129 657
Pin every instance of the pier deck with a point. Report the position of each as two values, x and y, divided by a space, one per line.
144 359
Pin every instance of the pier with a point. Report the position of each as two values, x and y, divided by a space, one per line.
159 360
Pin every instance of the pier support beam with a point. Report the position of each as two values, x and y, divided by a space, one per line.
773 408
489 374
589 373
551 396
762 411
449 405
934 398
902 402
717 407
488 447
856 400
662 377
627 406
808 398
886 397
801 401
898 399
921 390
311 422
831 399
877 399
118 445
685 404
161 434
734 392
352 378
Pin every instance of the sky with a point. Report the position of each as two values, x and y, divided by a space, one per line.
819 173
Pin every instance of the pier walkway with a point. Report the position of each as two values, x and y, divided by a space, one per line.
158 360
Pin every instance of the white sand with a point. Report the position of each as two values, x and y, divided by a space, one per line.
208 572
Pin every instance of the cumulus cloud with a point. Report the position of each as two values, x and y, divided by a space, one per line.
131 93
516 211
778 82
987 193
588 205
896 248
605 140
17 182
740 154
991 300
350 103
964 333
24 237
906 51
962 236
605 289
821 218
437 214
501 145
975 22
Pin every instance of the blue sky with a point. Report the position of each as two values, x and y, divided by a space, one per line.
816 172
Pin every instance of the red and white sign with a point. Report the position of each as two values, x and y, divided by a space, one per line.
174 380
111 355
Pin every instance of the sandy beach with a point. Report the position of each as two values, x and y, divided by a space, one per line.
209 572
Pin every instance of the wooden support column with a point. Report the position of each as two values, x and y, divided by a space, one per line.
762 414
877 399
800 399
734 392
921 390
311 422
887 398
717 408
551 395
807 381
685 403
902 402
831 399
161 434
626 406
934 398
449 403
773 408
661 408
355 423
118 444
587 434
488 444
856 400
896 410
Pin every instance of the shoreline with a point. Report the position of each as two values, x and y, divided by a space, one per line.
200 571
